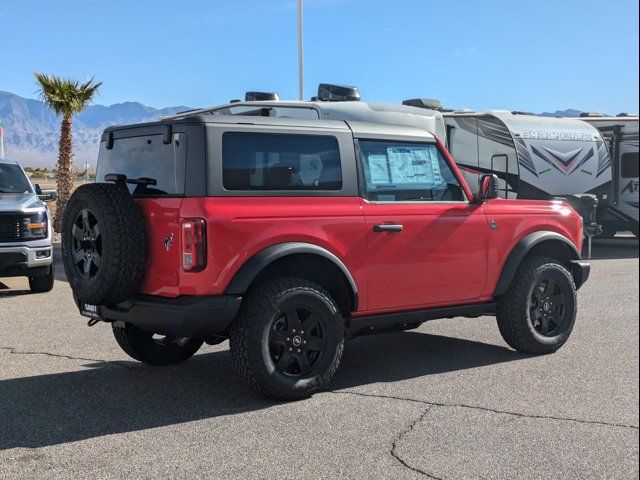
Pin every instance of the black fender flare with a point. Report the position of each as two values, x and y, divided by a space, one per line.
523 247
243 278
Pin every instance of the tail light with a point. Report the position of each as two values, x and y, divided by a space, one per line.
194 246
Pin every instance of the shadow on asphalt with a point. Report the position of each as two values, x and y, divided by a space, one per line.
14 293
615 248
116 397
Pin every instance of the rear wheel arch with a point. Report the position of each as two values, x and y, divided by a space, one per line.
299 260
541 244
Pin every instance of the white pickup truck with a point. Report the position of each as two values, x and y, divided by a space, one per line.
25 229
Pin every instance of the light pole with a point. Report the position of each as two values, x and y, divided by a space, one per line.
300 65
1 141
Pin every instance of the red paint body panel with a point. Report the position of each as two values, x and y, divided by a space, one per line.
447 254
240 227
439 258
518 218
162 221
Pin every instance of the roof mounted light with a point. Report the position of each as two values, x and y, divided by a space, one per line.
428 103
591 115
261 96
328 92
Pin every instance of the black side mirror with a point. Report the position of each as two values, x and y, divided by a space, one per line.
38 189
488 187
50 197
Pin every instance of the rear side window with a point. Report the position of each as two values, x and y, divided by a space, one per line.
407 172
630 167
146 156
274 161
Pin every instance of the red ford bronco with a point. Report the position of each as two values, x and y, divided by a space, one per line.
287 236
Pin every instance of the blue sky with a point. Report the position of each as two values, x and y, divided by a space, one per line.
524 55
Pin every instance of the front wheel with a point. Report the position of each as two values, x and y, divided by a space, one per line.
155 349
43 283
538 312
288 338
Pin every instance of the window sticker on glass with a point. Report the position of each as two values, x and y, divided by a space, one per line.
379 169
414 165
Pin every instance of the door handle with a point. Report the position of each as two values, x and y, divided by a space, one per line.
387 228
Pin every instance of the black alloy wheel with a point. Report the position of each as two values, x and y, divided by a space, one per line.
287 339
537 313
297 340
86 244
547 306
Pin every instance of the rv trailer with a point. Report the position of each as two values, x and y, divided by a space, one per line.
534 157
618 209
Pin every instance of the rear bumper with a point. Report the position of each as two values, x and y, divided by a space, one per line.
186 316
581 271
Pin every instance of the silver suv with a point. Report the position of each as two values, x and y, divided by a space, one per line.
25 228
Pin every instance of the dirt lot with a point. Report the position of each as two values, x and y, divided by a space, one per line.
448 400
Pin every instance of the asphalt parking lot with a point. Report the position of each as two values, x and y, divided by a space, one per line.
448 400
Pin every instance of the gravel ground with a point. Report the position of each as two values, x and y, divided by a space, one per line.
448 400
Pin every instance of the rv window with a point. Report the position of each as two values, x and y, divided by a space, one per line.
630 165
407 172
273 161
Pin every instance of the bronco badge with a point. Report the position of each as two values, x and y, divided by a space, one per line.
168 242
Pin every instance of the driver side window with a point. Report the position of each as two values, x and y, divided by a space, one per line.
407 172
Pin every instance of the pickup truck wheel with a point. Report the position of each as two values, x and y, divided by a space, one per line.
288 338
154 349
538 312
103 244
42 284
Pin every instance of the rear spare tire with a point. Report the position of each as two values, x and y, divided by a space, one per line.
103 244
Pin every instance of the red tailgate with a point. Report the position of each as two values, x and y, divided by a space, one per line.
162 228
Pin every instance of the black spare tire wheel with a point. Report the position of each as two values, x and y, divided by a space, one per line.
103 244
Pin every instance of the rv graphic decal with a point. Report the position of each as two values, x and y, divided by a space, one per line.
604 159
569 136
631 187
567 162
523 156
489 128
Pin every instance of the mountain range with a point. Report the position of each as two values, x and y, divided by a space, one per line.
31 130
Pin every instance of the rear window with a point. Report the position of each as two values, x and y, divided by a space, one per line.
146 156
630 165
270 161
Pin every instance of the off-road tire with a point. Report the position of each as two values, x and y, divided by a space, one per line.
513 315
249 339
123 246
42 284
142 346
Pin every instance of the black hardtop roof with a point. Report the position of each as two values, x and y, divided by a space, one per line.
203 119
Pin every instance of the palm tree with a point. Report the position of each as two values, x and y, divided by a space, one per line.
65 97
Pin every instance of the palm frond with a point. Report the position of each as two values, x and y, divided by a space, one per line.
66 96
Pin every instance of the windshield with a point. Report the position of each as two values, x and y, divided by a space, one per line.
13 180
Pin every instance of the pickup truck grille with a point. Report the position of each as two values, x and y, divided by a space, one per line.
11 229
